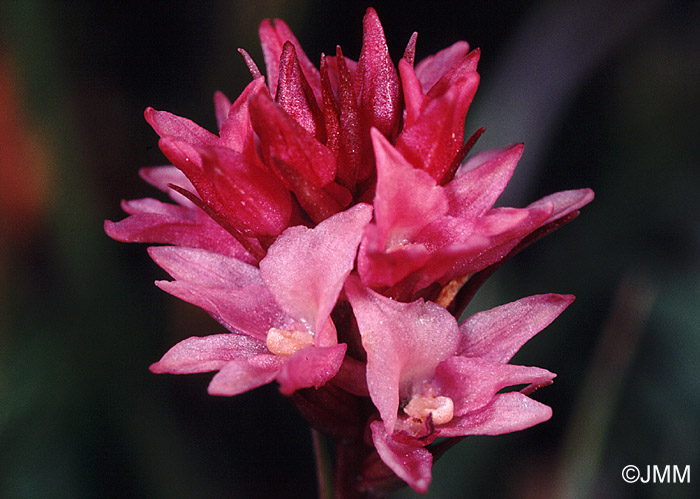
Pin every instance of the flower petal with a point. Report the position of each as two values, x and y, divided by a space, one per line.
250 196
239 376
477 186
472 382
564 202
432 68
236 130
351 141
411 463
380 268
412 93
167 124
222 105
491 238
162 177
249 310
310 366
295 96
204 267
497 334
273 35
432 142
199 354
508 412
404 344
163 223
231 291
407 199
305 268
188 159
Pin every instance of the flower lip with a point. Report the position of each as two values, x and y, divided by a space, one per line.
284 342
440 408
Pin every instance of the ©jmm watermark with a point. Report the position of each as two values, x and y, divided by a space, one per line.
653 473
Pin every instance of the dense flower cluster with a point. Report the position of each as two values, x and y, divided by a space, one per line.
330 227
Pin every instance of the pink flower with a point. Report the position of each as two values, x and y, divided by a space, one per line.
351 306
425 233
315 141
278 315
429 377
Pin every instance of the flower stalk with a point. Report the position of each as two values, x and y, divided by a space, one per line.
324 467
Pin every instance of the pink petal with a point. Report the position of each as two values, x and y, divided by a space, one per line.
273 36
221 107
207 353
508 412
472 382
239 376
250 63
475 190
464 67
333 62
450 261
404 343
203 267
435 138
379 268
272 50
409 53
305 268
329 106
150 206
236 129
461 246
319 203
187 158
406 199
310 366
162 176
411 463
564 202
503 228
161 228
248 310
153 221
497 334
231 291
169 125
431 69
412 92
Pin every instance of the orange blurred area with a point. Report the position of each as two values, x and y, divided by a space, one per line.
24 165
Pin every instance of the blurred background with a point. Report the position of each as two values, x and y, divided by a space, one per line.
603 93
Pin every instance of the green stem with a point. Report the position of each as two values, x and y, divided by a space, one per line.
324 470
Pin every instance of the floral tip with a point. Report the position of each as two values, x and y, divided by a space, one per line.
252 67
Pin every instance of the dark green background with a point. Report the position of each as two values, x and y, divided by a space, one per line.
604 94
